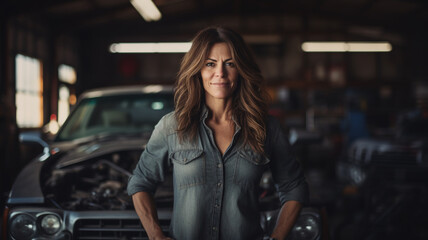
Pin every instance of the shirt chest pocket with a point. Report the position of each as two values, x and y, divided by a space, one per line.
249 168
189 168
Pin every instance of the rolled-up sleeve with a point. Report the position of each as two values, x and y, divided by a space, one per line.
150 170
286 170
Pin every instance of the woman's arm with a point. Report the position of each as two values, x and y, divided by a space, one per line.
286 219
288 176
146 210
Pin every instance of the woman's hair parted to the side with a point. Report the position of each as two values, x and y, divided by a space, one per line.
249 106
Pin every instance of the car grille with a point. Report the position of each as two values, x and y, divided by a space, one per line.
111 229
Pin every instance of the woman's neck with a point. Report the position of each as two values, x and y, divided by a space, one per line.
220 110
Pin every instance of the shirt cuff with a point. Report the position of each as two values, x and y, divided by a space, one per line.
299 193
135 184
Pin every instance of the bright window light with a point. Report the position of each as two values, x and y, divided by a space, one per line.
63 104
165 47
66 74
147 9
346 47
29 92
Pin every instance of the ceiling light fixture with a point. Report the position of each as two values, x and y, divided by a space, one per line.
147 10
346 47
164 47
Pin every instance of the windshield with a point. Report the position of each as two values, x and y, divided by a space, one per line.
125 114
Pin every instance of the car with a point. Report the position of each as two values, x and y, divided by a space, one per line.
76 187
384 180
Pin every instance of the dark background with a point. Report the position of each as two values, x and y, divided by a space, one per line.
79 32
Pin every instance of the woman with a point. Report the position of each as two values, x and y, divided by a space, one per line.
219 141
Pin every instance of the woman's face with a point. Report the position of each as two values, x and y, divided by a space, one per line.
219 74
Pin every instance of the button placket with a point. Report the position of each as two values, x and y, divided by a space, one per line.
217 169
218 197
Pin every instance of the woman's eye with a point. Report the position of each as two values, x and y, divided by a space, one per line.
230 64
210 64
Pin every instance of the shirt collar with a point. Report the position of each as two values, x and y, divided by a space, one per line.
204 115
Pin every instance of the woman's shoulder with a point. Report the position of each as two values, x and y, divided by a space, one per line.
275 128
169 117
272 124
168 123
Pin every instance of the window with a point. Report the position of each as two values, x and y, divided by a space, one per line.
29 92
66 74
67 78
63 104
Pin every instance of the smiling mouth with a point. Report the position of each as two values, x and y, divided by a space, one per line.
220 84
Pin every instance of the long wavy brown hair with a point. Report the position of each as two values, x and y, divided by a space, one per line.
249 104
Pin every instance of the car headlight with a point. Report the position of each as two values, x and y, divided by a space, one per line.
306 228
23 227
50 224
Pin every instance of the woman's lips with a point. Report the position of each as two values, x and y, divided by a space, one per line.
220 84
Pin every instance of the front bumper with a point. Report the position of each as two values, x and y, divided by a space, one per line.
88 225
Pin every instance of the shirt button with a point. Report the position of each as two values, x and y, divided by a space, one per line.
214 228
219 184
219 165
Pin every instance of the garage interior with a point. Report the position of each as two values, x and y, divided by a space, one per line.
311 91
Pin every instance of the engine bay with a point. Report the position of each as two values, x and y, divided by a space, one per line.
96 184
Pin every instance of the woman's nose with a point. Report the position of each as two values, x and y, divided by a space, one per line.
220 70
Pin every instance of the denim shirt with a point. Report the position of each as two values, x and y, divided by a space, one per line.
215 195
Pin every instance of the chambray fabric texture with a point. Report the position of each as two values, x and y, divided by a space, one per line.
215 195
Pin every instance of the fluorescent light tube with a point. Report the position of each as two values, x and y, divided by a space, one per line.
147 10
346 47
164 47
370 47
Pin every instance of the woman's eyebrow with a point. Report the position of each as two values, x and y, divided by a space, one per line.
216 60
